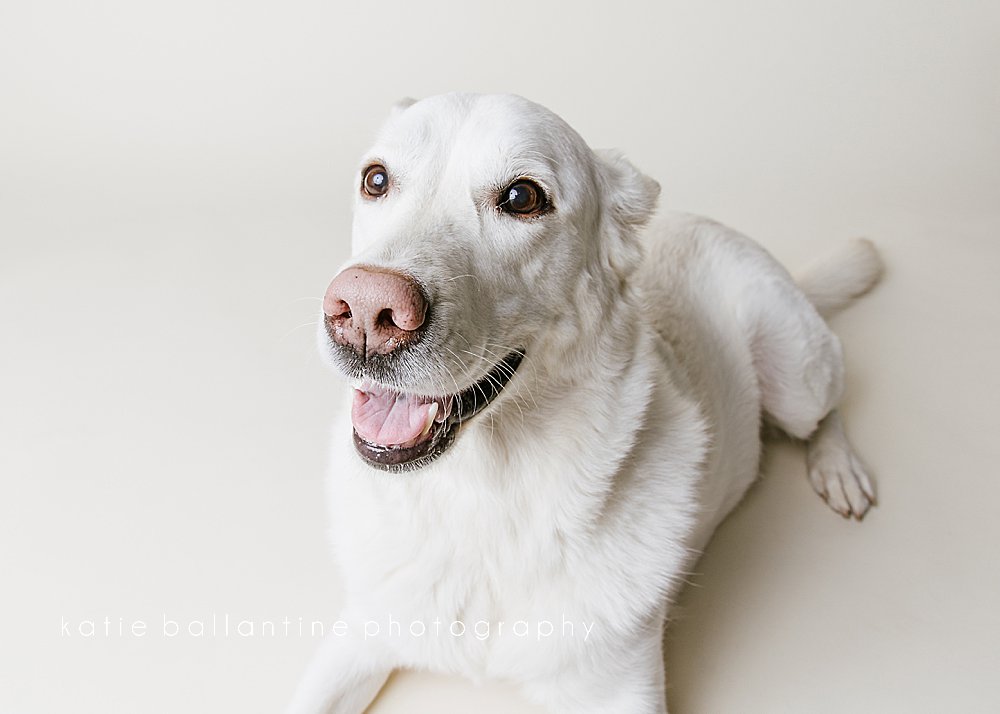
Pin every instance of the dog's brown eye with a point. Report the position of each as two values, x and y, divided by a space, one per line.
376 181
522 197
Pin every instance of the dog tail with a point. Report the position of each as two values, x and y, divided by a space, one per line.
837 279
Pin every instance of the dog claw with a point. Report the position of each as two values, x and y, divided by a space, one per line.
842 482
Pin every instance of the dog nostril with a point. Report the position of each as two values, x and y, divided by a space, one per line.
341 310
385 318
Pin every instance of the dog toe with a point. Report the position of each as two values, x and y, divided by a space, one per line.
841 479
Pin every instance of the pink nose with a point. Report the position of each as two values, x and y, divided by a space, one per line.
373 310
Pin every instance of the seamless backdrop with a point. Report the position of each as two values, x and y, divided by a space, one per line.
175 182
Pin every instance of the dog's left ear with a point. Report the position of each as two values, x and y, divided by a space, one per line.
633 195
630 199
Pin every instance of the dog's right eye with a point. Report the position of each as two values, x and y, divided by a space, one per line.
376 181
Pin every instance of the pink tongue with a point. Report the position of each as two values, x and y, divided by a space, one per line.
387 418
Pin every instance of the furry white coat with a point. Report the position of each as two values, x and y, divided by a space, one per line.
556 528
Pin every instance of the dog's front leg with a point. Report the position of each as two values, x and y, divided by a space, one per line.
629 681
343 676
635 695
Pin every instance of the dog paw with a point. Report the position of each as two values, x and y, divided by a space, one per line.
840 478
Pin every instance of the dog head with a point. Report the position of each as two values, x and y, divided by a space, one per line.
486 234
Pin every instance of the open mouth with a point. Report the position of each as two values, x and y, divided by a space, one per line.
395 431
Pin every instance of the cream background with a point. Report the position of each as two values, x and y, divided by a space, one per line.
174 195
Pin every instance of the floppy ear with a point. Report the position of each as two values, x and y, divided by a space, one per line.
632 194
395 110
401 106
629 204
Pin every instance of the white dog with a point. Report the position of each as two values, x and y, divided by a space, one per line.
554 407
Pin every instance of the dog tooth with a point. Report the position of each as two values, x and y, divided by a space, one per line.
430 419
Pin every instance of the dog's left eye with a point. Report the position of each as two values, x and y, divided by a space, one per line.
523 197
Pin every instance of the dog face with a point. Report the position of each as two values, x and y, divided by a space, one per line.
486 234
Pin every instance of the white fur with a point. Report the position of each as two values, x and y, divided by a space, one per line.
631 429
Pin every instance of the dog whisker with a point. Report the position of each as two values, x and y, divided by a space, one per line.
464 368
528 371
498 363
503 368
313 323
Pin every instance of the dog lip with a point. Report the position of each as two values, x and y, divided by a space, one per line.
465 405
468 402
395 458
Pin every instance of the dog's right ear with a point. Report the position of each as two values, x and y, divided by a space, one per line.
401 106
394 111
